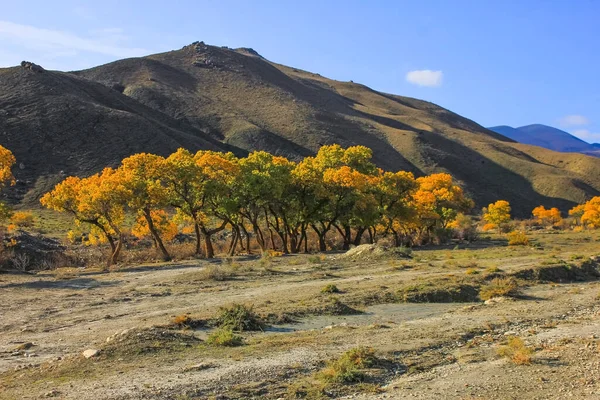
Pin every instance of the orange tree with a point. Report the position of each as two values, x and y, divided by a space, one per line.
591 213
7 161
546 217
98 201
437 202
140 176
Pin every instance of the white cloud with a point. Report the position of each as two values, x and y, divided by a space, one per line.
573 120
587 135
425 77
47 40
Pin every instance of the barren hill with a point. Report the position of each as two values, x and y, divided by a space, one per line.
212 97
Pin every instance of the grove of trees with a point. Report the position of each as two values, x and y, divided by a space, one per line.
265 198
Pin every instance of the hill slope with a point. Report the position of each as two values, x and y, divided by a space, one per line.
211 97
547 137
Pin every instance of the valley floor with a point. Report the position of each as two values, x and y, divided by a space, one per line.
441 350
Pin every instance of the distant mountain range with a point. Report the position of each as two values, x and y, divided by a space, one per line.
549 138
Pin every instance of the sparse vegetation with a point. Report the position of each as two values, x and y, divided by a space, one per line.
224 337
499 287
330 288
516 351
349 367
239 318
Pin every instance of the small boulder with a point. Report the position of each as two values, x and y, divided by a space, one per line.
89 353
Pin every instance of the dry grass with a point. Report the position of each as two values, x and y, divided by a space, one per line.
499 287
516 351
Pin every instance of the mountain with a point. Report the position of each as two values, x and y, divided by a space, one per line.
200 96
548 137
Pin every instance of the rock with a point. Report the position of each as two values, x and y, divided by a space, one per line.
31 66
198 367
89 353
510 333
24 346
52 393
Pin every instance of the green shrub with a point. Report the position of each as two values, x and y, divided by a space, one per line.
349 367
239 318
330 288
224 337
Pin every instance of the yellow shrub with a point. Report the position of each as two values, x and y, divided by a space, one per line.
489 227
22 219
517 238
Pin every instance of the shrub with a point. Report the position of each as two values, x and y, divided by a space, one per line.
516 351
330 288
348 368
316 259
224 337
239 318
183 321
471 271
489 227
499 287
22 219
517 238
464 228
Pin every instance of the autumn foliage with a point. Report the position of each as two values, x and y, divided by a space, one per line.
263 198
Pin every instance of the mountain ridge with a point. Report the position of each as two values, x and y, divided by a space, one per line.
203 96
548 137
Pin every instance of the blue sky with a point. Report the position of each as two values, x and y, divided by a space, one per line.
496 62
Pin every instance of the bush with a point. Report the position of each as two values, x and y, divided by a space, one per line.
348 368
239 318
224 337
21 219
517 238
516 351
499 287
331 288
464 228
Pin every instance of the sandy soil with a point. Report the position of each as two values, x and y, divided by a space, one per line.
445 351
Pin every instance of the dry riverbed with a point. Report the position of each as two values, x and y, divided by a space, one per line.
431 335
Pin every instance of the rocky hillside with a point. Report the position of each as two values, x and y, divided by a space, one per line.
213 97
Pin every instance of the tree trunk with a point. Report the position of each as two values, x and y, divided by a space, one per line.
208 246
321 234
165 254
197 231
359 234
117 250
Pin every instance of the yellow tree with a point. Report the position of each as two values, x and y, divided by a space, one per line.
497 213
393 193
7 161
97 200
591 213
140 176
547 217
438 201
